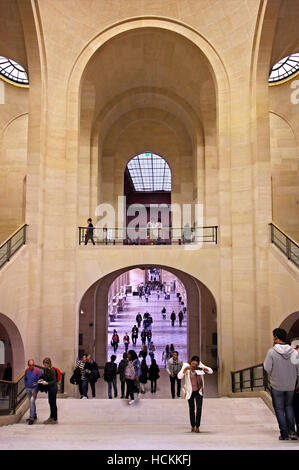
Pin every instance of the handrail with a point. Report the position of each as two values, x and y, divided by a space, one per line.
12 244
253 379
13 392
286 244
12 235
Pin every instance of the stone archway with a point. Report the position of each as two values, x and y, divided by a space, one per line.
291 325
201 308
13 339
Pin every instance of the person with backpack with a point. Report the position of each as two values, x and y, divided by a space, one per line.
154 375
132 373
110 371
48 382
31 377
115 341
126 341
91 376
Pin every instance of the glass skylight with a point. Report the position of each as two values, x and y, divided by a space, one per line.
13 72
285 68
150 172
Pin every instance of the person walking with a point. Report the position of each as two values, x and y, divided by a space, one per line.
143 336
80 364
181 317
115 341
110 371
172 318
48 381
143 375
171 350
164 313
282 365
126 341
91 376
193 373
132 373
149 336
121 372
152 349
134 335
89 232
154 375
138 319
174 365
31 377
166 355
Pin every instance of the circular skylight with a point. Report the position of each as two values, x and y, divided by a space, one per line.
13 72
150 172
284 69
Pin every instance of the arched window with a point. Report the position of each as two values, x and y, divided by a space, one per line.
284 69
13 73
149 172
2 352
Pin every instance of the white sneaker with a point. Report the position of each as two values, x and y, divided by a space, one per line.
84 398
139 395
131 402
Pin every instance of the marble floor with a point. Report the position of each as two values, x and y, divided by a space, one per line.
162 331
162 424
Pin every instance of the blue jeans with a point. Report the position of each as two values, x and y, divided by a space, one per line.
110 385
283 407
32 401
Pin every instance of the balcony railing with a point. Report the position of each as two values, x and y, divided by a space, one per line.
148 236
251 378
285 243
12 244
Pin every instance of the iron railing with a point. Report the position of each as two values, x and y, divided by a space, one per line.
12 244
13 393
285 243
251 378
149 236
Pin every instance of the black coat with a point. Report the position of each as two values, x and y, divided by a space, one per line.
92 371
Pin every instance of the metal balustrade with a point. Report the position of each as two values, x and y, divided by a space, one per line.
13 393
149 236
285 243
251 378
12 244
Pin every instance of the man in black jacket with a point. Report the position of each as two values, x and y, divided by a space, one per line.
110 372
91 376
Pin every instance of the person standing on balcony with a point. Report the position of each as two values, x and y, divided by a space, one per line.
282 365
31 377
89 232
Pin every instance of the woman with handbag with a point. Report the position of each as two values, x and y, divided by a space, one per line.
193 372
132 372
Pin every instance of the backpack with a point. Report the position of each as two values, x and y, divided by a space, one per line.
58 374
35 370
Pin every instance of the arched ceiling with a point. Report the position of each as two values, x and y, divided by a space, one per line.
149 60
12 43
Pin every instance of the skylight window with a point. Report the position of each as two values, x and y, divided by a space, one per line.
284 69
150 172
13 72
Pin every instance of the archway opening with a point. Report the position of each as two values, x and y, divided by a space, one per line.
147 189
200 320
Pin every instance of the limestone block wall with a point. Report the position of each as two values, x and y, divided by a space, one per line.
13 158
284 133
